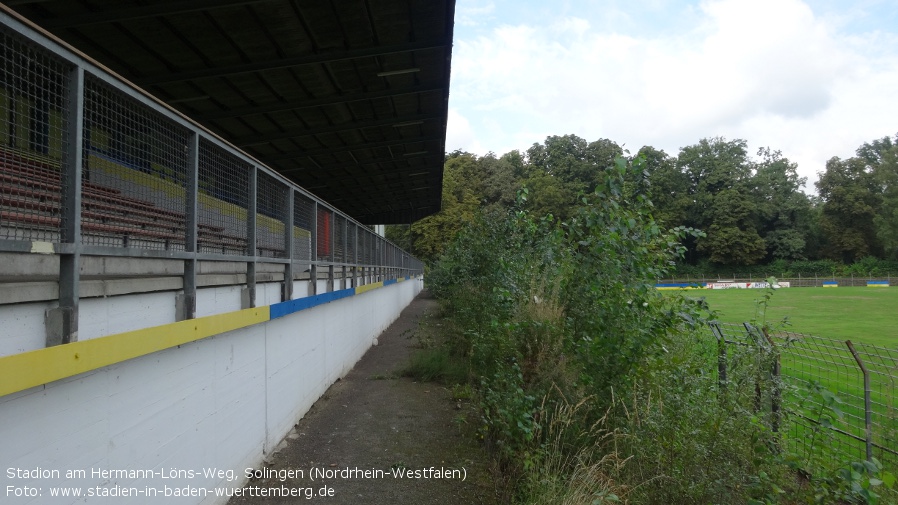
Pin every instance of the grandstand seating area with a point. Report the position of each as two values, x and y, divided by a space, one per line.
30 197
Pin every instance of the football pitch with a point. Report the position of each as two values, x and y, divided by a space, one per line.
867 315
862 315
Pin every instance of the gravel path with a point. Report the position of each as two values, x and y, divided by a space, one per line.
371 426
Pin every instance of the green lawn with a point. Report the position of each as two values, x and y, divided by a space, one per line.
862 315
868 315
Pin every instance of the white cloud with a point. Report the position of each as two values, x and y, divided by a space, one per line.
473 13
768 71
459 134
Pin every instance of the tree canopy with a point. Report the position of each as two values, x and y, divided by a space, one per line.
752 209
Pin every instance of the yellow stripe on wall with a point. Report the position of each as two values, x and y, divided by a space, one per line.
34 368
368 287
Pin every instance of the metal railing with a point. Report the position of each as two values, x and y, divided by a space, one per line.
92 166
830 396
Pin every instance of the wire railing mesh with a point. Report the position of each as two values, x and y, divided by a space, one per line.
351 230
222 202
134 173
325 234
302 228
33 140
271 206
340 239
828 396
126 172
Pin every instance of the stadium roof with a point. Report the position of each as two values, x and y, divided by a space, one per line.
348 98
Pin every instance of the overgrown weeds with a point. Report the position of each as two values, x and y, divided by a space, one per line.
592 387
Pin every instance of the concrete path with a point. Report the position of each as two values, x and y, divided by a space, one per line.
372 427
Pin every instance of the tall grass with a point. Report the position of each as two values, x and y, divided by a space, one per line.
592 386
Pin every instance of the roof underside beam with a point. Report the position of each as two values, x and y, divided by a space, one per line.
142 12
319 102
252 140
311 59
352 147
316 179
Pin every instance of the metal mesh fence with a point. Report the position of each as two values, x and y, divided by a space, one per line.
881 365
365 241
350 242
830 397
134 175
271 204
813 365
302 227
136 168
223 182
340 239
325 234
32 141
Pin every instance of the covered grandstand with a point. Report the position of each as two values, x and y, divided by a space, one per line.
186 194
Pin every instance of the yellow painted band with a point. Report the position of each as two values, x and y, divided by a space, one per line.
22 371
368 287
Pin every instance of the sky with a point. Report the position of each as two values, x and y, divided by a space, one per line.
813 79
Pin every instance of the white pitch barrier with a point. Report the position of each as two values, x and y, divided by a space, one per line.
745 285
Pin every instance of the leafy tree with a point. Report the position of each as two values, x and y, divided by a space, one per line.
498 182
459 204
850 207
719 177
668 187
752 210
784 210
884 155
573 160
401 235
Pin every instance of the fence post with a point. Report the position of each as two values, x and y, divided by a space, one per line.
721 360
187 305
62 321
868 411
775 400
287 293
248 300
753 335
313 254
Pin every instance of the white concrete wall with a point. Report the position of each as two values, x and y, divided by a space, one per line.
221 402
22 327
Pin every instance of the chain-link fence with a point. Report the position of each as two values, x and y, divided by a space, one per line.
90 165
831 398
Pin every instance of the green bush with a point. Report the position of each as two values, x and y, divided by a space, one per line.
595 388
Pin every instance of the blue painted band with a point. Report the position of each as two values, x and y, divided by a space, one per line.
389 281
289 307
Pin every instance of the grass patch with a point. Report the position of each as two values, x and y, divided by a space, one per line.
860 314
436 364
